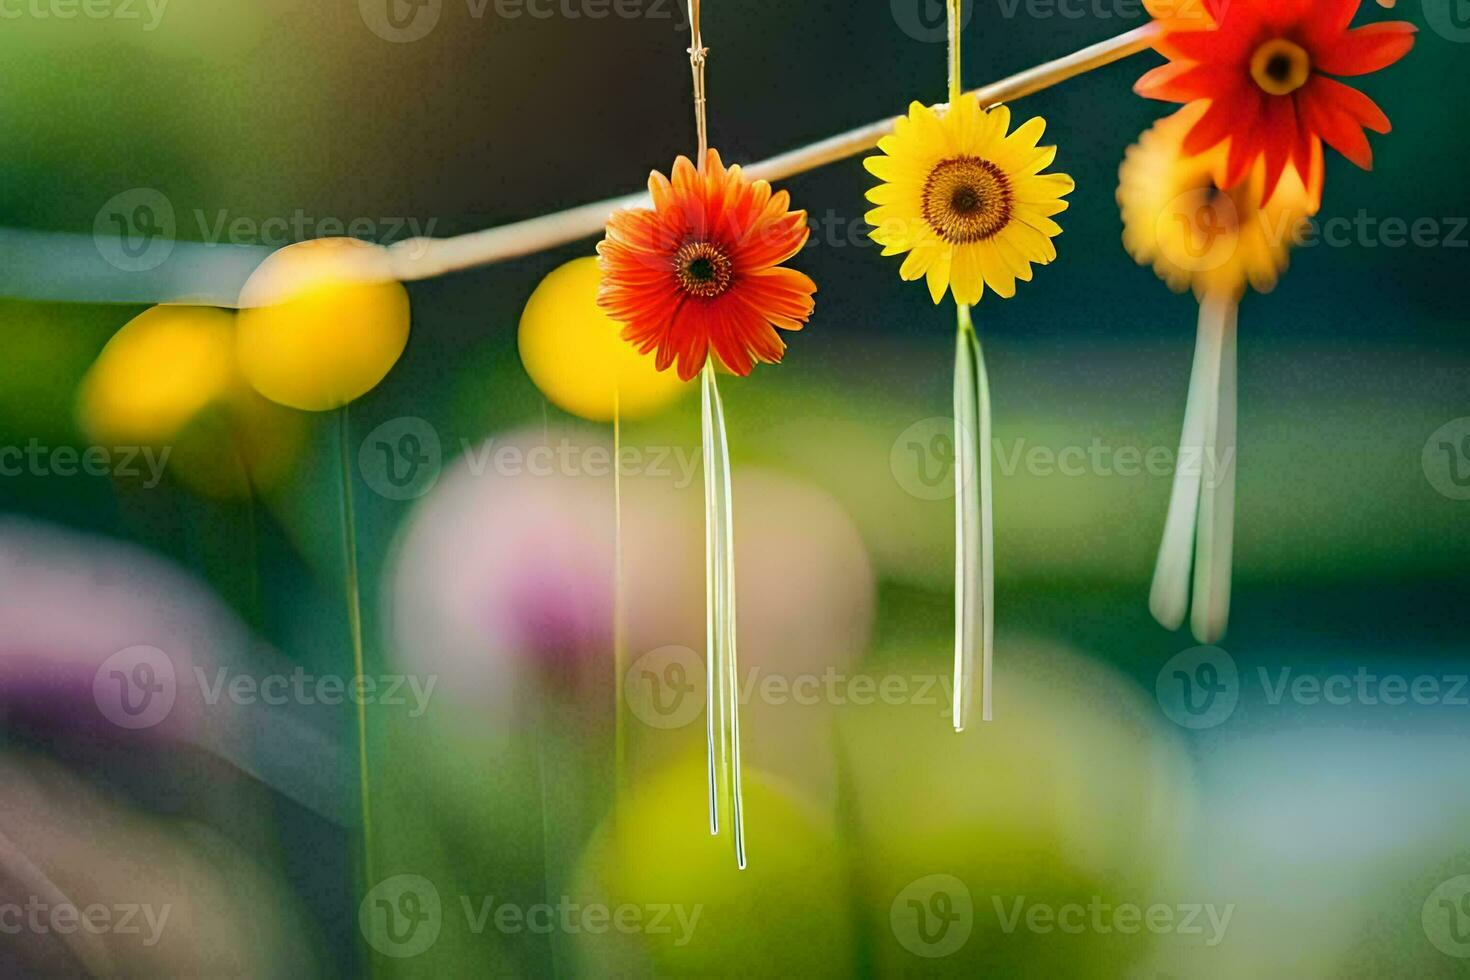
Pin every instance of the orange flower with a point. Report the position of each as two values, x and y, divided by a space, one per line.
702 270
1263 66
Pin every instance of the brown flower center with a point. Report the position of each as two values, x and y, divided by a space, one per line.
703 269
966 199
1280 67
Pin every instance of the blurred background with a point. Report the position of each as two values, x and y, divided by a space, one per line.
179 740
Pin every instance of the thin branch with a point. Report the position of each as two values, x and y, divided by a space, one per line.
424 258
60 267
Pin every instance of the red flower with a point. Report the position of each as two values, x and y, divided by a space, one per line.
702 269
1263 67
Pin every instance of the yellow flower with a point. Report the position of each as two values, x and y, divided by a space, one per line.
169 380
1195 235
158 373
574 354
321 323
966 201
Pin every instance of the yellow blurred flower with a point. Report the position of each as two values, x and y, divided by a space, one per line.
321 323
169 379
966 201
157 373
1176 218
574 354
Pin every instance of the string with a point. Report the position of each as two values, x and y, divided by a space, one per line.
698 54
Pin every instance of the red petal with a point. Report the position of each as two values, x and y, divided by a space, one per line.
1366 49
783 296
1215 125
1158 83
1279 130
1335 15
728 323
1186 82
1336 127
1353 102
684 339
1227 45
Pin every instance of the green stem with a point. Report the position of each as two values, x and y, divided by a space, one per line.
722 664
354 622
974 525
1215 529
731 658
713 639
620 646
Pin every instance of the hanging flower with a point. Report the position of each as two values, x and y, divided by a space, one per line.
1176 217
701 271
1263 66
966 201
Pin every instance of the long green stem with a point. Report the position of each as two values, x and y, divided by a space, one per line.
987 533
974 526
731 657
1210 605
620 627
722 661
966 521
713 676
354 622
1169 594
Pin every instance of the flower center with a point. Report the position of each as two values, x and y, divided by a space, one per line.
1280 67
703 269
966 199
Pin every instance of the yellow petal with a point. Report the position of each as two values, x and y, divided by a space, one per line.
1031 244
1014 260
997 274
1028 215
1028 133
938 275
917 263
1040 187
965 277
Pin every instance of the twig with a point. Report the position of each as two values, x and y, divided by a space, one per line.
59 267
424 258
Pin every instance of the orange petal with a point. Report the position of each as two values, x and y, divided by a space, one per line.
1367 49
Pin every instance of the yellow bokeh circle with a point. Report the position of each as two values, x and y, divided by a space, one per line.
157 374
321 323
575 356
169 380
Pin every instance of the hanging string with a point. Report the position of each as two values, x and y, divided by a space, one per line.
698 54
